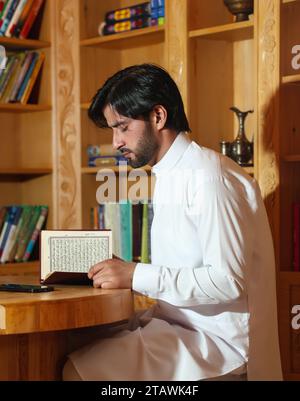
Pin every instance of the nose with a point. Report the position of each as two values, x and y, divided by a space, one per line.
118 142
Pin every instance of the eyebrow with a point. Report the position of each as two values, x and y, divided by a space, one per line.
117 124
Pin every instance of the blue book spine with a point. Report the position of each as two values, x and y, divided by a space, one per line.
27 76
9 16
126 230
11 218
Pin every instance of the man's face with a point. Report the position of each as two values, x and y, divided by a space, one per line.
134 138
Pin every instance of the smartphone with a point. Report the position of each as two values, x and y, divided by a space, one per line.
25 288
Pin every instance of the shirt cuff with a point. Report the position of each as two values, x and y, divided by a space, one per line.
146 279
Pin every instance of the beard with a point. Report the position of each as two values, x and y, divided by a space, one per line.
145 149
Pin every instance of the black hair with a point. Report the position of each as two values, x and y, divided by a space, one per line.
134 91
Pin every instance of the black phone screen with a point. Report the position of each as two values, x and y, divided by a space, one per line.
25 288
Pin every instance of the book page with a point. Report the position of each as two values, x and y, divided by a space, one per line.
73 251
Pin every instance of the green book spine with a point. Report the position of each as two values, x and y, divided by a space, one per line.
126 230
144 247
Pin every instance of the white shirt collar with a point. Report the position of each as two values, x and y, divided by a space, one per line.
174 153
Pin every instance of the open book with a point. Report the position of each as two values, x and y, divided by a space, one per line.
66 256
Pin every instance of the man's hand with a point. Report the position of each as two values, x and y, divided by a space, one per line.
112 273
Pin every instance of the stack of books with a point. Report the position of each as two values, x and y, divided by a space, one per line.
130 224
18 16
20 227
18 78
138 16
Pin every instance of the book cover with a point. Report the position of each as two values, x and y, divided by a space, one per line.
33 240
33 78
144 241
126 13
22 19
20 231
67 255
27 232
27 76
8 17
33 13
126 230
4 13
12 25
11 234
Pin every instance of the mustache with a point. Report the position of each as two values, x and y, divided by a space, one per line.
125 150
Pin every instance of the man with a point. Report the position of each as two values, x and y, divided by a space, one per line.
212 270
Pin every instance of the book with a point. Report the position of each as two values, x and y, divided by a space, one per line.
39 225
126 13
33 78
22 18
67 255
33 13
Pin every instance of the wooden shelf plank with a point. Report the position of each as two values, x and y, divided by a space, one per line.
289 1
115 169
291 79
22 174
229 32
291 158
14 43
136 38
23 108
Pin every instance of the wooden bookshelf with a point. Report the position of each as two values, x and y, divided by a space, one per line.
228 32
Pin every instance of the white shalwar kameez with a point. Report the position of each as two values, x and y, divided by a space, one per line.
212 274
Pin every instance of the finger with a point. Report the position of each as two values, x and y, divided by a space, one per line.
109 285
100 278
95 269
117 257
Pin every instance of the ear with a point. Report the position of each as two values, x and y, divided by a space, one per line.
159 116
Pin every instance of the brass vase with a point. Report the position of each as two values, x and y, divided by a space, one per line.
241 150
240 8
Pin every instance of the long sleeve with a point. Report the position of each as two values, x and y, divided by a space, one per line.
221 217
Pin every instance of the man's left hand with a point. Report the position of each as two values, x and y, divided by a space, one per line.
112 273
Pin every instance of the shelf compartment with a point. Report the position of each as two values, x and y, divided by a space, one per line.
14 43
229 32
23 108
140 37
291 79
22 174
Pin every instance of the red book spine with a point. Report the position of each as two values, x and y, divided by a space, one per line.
296 260
31 18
